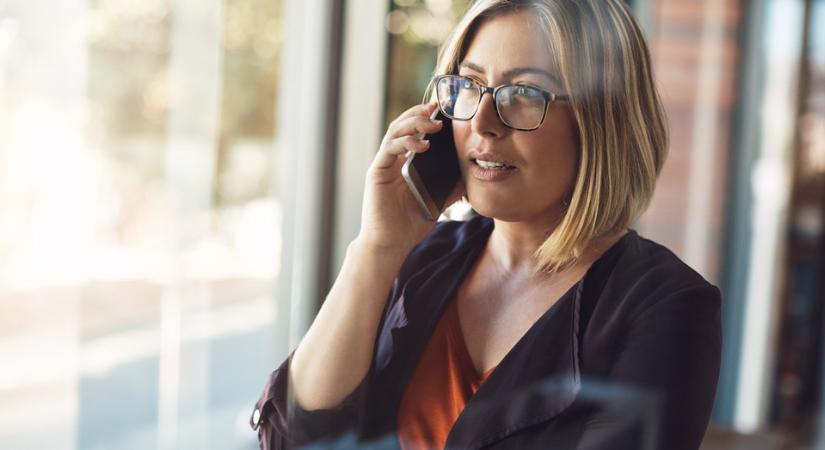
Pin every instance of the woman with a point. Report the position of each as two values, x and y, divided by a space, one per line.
542 322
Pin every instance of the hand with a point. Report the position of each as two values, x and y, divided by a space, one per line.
390 217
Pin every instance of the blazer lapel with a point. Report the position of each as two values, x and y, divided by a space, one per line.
409 323
525 388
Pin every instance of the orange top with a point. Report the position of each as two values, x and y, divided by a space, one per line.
443 382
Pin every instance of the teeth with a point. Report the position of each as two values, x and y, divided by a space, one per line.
491 165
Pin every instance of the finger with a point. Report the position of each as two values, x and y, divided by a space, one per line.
389 153
424 109
402 145
414 125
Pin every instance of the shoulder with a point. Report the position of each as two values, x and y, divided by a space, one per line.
656 326
642 303
644 279
647 261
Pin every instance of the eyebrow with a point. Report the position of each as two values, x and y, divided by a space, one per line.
514 72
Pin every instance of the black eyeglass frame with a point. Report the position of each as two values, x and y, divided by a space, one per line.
549 98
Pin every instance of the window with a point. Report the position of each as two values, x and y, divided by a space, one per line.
140 218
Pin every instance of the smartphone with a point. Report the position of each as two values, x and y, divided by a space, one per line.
433 175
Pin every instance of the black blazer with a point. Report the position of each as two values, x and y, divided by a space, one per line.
628 358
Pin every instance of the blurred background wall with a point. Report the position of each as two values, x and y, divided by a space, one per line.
179 180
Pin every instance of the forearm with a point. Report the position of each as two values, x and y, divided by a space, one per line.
335 354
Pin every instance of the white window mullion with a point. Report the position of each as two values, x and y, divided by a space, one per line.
361 121
771 185
303 102
195 79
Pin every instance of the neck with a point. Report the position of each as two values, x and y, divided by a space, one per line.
512 246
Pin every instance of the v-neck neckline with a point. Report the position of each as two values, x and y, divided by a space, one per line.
517 345
424 296
488 409
473 255
462 351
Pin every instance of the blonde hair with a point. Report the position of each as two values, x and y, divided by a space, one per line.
605 67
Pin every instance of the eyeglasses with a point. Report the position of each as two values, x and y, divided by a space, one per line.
519 107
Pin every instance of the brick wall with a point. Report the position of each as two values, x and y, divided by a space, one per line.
687 37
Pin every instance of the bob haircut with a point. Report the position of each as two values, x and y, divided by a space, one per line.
604 66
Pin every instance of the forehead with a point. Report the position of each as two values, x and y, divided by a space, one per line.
507 41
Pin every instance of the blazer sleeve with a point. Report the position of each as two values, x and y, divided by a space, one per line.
282 424
673 350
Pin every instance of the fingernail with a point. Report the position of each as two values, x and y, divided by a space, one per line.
437 122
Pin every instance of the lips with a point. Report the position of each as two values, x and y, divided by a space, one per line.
488 156
487 166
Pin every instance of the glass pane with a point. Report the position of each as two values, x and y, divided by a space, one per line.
416 29
140 225
799 380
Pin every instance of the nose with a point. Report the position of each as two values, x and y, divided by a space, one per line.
486 122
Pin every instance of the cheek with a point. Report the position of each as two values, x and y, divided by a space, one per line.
556 153
561 145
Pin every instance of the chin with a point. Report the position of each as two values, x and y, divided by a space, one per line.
508 209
